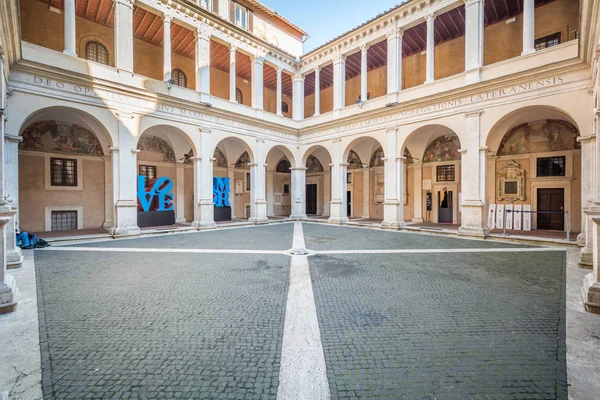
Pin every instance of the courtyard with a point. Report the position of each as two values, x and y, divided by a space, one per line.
303 311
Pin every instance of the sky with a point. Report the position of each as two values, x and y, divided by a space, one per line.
326 19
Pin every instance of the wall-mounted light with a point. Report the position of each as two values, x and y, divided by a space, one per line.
170 83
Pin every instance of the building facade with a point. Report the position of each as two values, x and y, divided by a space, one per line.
437 112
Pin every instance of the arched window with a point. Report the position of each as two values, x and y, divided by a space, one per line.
239 97
179 77
95 51
284 107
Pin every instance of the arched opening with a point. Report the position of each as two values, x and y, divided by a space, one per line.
534 179
165 157
65 174
317 161
279 182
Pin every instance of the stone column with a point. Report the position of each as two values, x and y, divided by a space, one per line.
70 36
418 192
474 40
124 35
298 98
366 191
528 26
167 47
14 258
180 200
258 83
326 193
109 202
430 67
8 300
203 63
339 83
258 204
363 72
585 238
338 185
394 64
473 180
393 204
232 75
317 91
204 216
298 193
591 285
231 175
270 194
279 91
125 177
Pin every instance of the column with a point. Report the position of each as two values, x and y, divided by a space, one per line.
326 193
203 63
14 258
363 72
204 217
366 191
258 83
298 193
394 64
585 238
70 36
279 100
124 163
528 26
317 91
124 35
339 82
591 286
474 40
418 192
270 195
430 75
473 169
232 76
231 175
166 47
338 186
298 98
180 196
393 204
258 204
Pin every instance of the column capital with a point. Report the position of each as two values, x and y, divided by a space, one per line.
364 48
471 2
12 138
339 59
317 69
128 3
298 169
232 49
430 17
298 78
167 18
279 69
475 113
203 32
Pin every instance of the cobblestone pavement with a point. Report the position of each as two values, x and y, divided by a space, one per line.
161 326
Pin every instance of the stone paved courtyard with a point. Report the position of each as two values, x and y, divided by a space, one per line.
228 314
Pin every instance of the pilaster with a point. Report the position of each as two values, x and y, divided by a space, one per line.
258 203
204 217
366 191
417 169
180 199
14 257
298 193
338 186
393 206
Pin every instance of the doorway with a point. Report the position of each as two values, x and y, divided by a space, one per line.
551 200
445 206
349 203
311 199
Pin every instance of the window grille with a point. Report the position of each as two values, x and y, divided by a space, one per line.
285 108
179 77
95 51
247 182
63 172
286 188
239 96
445 173
149 171
551 166
63 220
547 41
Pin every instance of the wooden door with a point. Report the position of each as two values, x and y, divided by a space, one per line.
311 199
445 206
552 200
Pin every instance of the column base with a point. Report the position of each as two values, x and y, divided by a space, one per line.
581 239
8 295
476 231
126 231
586 259
531 51
393 225
259 220
338 220
203 225
591 294
70 53
417 220
298 217
108 225
429 81
473 76
180 220
14 258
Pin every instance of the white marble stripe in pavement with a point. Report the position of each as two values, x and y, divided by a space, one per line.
153 250
302 374
420 251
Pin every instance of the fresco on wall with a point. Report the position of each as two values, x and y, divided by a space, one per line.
539 137
377 158
313 164
409 158
220 160
243 161
284 166
156 145
444 148
354 161
60 137
188 157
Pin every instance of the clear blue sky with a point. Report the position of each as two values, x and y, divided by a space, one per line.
326 19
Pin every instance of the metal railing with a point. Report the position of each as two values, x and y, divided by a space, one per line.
566 214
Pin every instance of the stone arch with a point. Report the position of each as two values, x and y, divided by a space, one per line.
173 143
232 148
437 141
321 153
364 147
276 152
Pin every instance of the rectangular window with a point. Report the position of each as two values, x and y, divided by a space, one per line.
63 172
445 173
241 16
247 181
149 171
547 41
551 166
349 178
286 188
63 220
206 4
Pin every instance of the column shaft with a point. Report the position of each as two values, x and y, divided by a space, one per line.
14 257
180 195
528 26
279 90
393 205
258 83
339 82
317 91
298 193
430 67
363 73
474 40
418 192
124 35
70 31
204 218
166 47
203 63
258 204
338 186
366 192
231 175
232 74
298 98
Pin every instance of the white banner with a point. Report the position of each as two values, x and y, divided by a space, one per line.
500 216
492 217
517 219
509 216
526 217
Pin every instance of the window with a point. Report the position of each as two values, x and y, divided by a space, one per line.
149 171
95 51
551 166
284 107
239 96
445 173
206 4
63 220
349 178
241 16
179 77
547 41
286 188
247 182
63 172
